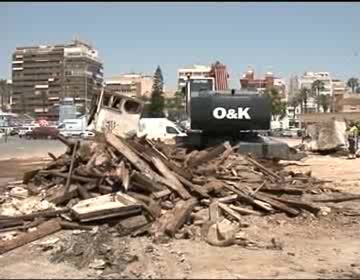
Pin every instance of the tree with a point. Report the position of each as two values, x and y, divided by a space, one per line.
353 83
316 87
157 102
278 107
303 97
324 101
4 93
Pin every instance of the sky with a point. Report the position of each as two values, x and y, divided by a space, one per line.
286 38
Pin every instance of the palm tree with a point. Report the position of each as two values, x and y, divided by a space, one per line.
303 97
353 83
316 87
324 100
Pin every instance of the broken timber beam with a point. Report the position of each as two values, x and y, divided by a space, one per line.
277 204
65 175
45 213
124 149
193 188
42 230
300 204
175 183
73 157
263 168
338 199
180 214
207 156
244 211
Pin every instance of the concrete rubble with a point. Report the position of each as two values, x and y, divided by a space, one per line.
326 136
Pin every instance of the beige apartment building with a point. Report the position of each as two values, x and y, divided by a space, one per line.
43 75
131 84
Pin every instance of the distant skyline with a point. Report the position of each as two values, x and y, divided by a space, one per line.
285 38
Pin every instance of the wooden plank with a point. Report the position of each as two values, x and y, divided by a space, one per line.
244 211
125 178
246 197
49 213
229 198
214 214
58 195
73 225
52 156
146 183
338 199
277 204
83 192
175 183
263 168
73 158
161 194
231 212
22 239
124 149
179 216
196 189
65 175
300 204
208 155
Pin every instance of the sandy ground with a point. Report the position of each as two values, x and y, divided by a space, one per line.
326 247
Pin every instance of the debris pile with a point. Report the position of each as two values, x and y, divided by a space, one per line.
142 187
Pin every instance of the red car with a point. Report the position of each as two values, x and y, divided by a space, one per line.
42 132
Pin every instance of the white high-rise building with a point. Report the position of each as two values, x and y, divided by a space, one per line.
307 80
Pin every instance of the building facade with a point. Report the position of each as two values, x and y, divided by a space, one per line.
195 71
248 82
134 85
216 74
43 75
307 80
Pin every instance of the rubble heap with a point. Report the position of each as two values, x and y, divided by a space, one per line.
145 187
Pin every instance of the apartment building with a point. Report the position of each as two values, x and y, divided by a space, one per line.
249 82
307 80
195 71
135 85
43 75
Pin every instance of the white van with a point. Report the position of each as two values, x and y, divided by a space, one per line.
159 128
72 127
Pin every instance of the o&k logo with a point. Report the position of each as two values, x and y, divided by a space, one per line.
239 114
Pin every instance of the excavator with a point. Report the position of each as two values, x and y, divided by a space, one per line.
239 116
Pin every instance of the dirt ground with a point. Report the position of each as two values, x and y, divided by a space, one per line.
308 247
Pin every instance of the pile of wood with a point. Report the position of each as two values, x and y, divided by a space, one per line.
142 186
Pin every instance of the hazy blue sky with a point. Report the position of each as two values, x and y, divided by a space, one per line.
288 38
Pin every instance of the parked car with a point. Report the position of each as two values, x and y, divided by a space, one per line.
42 132
25 129
87 134
14 131
293 132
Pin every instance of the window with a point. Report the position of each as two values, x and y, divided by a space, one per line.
171 130
132 107
106 100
